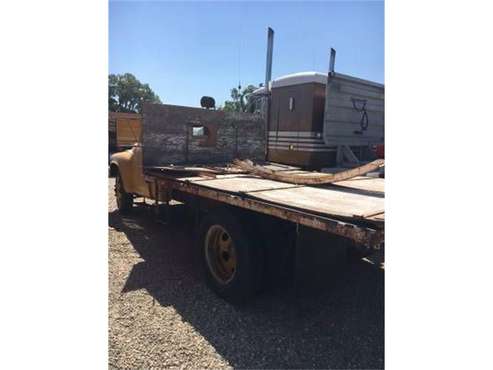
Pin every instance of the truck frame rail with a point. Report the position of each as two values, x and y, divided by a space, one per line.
165 186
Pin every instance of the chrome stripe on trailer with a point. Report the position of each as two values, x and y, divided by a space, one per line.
297 145
295 138
295 134
300 141
305 150
301 149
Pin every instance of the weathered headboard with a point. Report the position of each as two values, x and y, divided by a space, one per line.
184 135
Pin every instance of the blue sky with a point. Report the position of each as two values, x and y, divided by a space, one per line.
186 50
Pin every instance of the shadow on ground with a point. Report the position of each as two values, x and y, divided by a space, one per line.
341 325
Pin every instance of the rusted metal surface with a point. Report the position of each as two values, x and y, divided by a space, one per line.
308 178
209 172
369 237
187 170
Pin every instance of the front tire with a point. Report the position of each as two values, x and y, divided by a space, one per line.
124 200
232 259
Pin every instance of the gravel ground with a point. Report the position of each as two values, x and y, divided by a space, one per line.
161 314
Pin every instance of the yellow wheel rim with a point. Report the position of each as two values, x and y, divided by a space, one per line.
220 254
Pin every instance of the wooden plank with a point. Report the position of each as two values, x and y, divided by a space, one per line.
364 183
279 167
377 213
244 184
310 178
331 202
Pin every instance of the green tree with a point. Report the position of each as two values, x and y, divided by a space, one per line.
126 93
241 100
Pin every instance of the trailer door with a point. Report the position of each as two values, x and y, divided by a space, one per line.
354 111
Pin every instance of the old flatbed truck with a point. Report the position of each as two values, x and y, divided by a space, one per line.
188 155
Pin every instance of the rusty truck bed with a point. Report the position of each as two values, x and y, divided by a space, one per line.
352 208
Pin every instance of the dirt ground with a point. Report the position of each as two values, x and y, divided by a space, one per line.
162 315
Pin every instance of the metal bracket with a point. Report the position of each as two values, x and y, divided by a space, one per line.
345 157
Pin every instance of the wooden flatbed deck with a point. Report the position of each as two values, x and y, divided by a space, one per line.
352 208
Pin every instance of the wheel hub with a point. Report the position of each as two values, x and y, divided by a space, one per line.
220 254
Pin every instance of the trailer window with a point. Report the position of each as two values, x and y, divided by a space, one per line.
204 135
291 104
199 131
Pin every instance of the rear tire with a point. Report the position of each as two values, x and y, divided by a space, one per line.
231 258
124 200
